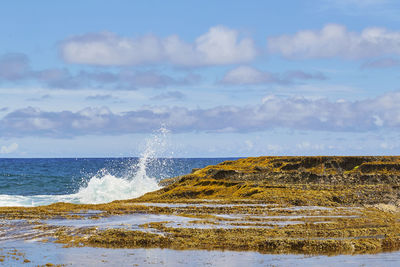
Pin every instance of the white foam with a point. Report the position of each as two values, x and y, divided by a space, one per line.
108 188
30 201
104 187
100 189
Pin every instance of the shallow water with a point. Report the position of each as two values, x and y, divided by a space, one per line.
42 253
25 230
134 222
20 240
129 222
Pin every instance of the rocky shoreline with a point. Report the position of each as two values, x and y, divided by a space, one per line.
307 205
326 181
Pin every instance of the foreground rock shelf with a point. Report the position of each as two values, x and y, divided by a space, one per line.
307 205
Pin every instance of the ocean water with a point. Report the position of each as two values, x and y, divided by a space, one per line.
32 182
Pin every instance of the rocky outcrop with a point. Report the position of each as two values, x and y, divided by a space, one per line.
321 181
324 170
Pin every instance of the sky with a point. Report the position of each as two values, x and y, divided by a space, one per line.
237 78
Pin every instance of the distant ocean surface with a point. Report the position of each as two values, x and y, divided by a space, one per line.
32 182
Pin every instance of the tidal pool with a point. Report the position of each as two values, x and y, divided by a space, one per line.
14 253
263 228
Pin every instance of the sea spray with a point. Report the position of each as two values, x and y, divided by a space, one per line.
108 188
151 157
105 187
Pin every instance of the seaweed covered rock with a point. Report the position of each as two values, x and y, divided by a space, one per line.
323 180
322 169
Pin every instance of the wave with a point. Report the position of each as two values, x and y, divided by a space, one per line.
104 187
101 189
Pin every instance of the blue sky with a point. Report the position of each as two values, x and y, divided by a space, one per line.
226 78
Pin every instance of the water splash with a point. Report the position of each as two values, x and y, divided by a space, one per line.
105 187
155 146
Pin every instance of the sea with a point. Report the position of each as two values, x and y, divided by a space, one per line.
42 181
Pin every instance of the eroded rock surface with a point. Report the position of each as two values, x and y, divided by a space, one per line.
322 180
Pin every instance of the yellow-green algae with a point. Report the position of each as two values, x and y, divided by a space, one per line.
370 231
361 192
16 256
326 181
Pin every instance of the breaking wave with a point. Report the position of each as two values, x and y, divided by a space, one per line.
105 187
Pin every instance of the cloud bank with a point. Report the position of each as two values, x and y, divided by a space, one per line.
334 40
219 46
382 112
16 68
222 45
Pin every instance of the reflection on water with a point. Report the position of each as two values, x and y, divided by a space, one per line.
42 253
182 215
20 239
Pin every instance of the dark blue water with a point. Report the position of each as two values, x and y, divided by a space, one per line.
30 177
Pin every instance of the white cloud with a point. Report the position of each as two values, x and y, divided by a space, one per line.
377 120
246 75
220 45
107 48
9 149
16 68
297 113
249 75
335 40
